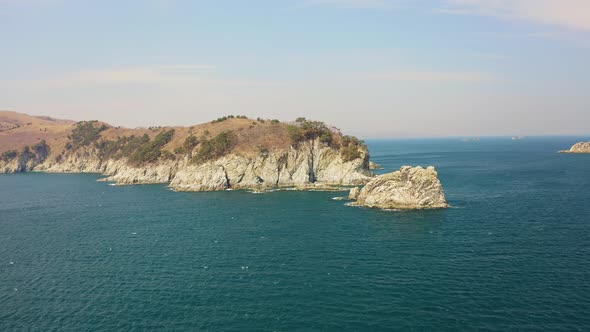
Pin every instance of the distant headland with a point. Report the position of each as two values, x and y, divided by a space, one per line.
581 147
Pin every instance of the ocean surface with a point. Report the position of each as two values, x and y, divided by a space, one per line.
513 252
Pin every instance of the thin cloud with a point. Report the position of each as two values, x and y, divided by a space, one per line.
188 67
571 14
358 4
165 75
134 75
432 76
491 56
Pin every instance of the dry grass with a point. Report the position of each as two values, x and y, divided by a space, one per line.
253 136
19 130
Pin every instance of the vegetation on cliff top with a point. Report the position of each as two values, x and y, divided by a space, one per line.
199 143
8 156
86 133
151 151
215 147
39 152
304 130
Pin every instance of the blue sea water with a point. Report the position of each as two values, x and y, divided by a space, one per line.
513 252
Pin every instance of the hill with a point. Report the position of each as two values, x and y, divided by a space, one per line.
288 153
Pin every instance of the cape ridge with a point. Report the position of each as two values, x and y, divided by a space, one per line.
233 152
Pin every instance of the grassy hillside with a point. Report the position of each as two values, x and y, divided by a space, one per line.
19 130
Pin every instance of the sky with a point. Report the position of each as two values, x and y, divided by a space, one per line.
373 68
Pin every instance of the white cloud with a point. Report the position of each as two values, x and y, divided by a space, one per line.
133 75
572 14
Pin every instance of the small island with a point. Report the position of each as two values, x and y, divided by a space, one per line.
581 147
410 188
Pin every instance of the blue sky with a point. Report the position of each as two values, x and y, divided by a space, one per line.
375 68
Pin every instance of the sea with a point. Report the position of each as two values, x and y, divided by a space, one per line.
512 252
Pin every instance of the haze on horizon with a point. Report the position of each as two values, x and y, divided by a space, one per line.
374 68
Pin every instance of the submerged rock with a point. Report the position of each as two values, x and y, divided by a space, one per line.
409 188
581 147
374 165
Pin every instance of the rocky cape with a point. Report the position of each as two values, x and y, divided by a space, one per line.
581 147
252 154
409 188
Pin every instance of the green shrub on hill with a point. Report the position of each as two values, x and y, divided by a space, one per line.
41 149
187 147
309 130
8 156
227 117
350 148
86 133
151 151
215 147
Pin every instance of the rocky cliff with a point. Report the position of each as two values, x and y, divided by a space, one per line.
581 147
408 188
229 153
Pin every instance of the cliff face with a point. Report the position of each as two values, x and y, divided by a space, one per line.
243 160
406 189
310 164
581 147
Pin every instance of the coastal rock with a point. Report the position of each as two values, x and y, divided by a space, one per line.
581 147
409 188
311 166
354 193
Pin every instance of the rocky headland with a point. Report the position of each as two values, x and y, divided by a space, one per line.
581 147
410 188
232 152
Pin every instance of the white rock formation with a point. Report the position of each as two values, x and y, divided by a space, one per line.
311 165
581 147
354 193
409 188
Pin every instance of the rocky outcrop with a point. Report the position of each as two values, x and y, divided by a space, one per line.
25 160
373 166
354 193
581 147
310 165
407 189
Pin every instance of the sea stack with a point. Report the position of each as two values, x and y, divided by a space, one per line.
410 188
581 147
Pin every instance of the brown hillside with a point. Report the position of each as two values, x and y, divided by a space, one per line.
18 130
